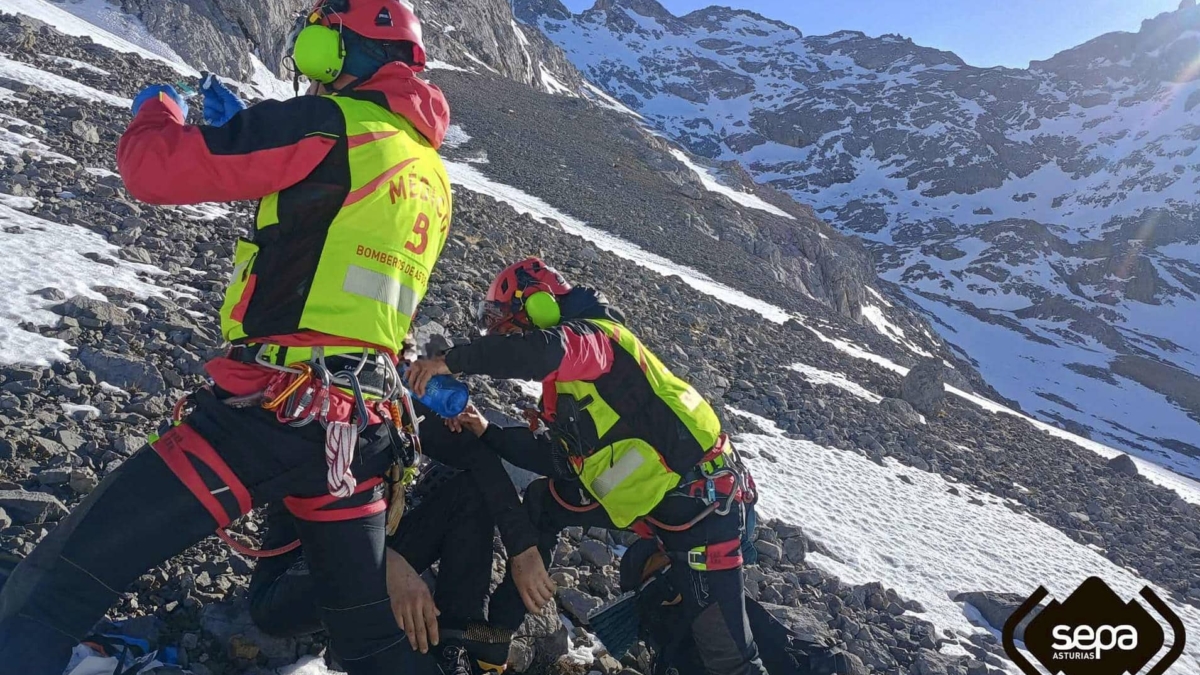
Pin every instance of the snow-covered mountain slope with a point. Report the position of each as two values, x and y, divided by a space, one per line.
964 500
1043 218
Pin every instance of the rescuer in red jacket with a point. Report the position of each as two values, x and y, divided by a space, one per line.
354 207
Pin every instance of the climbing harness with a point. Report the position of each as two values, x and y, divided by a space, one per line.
300 394
720 480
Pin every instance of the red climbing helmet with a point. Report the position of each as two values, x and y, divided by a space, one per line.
384 20
523 297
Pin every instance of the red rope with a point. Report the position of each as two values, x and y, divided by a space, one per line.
571 507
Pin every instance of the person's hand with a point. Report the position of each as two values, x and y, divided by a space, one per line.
220 104
412 603
154 91
533 583
470 419
423 370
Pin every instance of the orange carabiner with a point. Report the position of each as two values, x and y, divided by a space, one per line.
305 376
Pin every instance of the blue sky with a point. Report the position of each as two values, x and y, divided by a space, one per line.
982 32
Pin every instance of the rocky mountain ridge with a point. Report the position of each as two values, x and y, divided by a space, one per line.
66 424
1048 210
223 35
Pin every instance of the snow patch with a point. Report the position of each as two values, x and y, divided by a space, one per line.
891 331
72 409
267 83
456 136
105 25
58 84
1187 488
205 211
552 84
713 185
434 64
602 99
920 539
47 254
12 143
309 665
78 65
14 202
530 388
473 179
818 376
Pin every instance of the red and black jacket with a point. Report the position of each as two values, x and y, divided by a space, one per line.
578 350
296 147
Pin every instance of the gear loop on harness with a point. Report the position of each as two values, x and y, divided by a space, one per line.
303 392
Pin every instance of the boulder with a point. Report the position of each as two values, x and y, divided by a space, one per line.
577 603
1124 465
804 622
31 508
924 388
995 609
123 371
769 552
901 410
97 313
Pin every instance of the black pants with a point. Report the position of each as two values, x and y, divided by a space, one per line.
141 515
713 601
449 524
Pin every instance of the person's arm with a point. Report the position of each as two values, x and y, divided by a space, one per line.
261 150
576 351
465 451
521 448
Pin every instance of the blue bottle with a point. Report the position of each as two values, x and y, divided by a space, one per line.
445 396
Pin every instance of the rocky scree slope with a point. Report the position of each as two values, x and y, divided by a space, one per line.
149 350
1050 210
788 257
220 35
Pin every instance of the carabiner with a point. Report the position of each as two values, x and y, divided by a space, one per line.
360 403
315 398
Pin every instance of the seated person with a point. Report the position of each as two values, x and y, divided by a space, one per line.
627 445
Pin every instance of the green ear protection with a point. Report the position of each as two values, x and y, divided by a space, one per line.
542 309
319 52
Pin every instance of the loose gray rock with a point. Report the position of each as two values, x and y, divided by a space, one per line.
770 552
1124 465
901 410
126 372
577 603
98 312
924 386
31 508
996 608
806 623
85 131
595 553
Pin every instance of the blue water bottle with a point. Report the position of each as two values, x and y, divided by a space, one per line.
445 396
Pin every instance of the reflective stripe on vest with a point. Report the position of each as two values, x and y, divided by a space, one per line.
380 248
628 478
